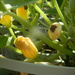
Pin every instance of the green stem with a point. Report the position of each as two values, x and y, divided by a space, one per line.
61 8
60 13
14 49
12 33
51 44
20 29
43 23
53 57
41 3
15 27
55 46
23 30
49 4
43 14
66 41
23 22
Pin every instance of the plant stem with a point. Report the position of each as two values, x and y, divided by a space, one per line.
60 14
23 30
23 22
14 49
15 27
12 33
66 41
55 46
41 3
43 23
42 37
42 13
20 29
49 4
53 57
61 8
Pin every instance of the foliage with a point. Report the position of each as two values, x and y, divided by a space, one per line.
42 14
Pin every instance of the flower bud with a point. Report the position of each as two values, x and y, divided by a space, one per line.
27 47
6 20
22 12
54 31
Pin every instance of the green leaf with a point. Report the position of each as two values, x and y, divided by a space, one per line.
4 41
18 3
2 7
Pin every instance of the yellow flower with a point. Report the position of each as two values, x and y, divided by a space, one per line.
27 47
6 20
22 12
54 31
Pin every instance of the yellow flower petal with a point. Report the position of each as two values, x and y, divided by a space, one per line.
6 20
22 12
27 47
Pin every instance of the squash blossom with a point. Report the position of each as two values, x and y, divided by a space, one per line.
6 20
54 31
22 12
27 47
